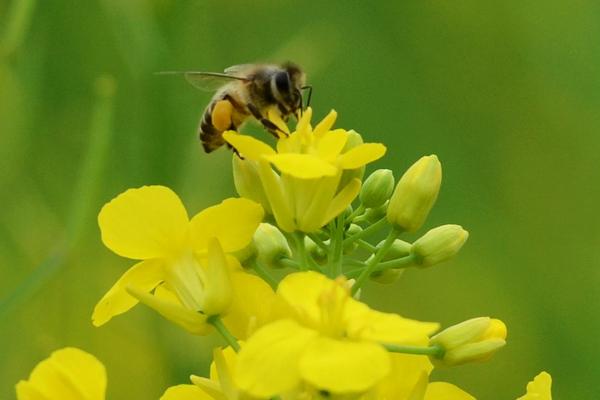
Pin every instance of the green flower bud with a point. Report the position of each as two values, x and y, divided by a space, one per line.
352 230
439 244
271 245
415 194
377 188
248 183
476 339
399 249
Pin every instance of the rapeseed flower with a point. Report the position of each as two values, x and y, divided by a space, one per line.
185 272
540 388
302 182
324 339
68 374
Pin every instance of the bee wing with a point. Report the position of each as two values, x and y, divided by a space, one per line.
240 69
207 81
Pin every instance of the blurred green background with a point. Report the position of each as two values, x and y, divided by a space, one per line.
507 94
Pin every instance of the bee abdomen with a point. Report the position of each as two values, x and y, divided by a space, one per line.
209 135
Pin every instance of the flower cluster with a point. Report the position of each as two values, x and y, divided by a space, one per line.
306 210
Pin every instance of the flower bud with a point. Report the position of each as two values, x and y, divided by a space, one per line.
271 245
439 244
473 340
377 188
248 183
399 249
415 194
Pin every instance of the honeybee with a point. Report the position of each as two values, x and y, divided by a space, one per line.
247 91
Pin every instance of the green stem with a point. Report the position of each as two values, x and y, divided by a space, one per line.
366 245
403 262
300 251
264 274
289 263
315 238
217 323
372 263
434 351
335 264
359 211
367 231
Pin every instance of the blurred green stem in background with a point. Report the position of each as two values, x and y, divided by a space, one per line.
17 24
91 169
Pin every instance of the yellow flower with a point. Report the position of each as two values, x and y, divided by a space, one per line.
185 273
445 391
476 339
540 388
326 340
68 374
407 379
310 188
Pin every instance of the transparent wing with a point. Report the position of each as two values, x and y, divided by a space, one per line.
207 81
240 69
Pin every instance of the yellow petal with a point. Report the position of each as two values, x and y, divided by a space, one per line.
144 223
446 391
303 127
320 193
332 144
302 290
68 374
408 377
268 363
185 392
325 125
540 388
280 204
232 223
171 309
290 144
302 166
210 387
342 366
341 201
251 306
217 294
274 116
249 147
391 328
361 155
145 276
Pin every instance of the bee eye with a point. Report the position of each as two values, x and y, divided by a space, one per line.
282 81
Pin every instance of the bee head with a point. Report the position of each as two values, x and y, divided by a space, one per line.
286 85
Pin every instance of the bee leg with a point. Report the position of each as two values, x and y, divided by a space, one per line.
266 123
235 151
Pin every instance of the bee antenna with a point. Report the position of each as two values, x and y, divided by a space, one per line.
309 88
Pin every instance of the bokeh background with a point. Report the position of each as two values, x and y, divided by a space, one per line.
507 94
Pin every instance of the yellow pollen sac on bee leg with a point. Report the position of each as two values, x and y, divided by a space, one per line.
221 115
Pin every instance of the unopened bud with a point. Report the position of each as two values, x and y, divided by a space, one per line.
271 245
399 249
473 340
248 183
439 244
415 194
377 188
316 252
